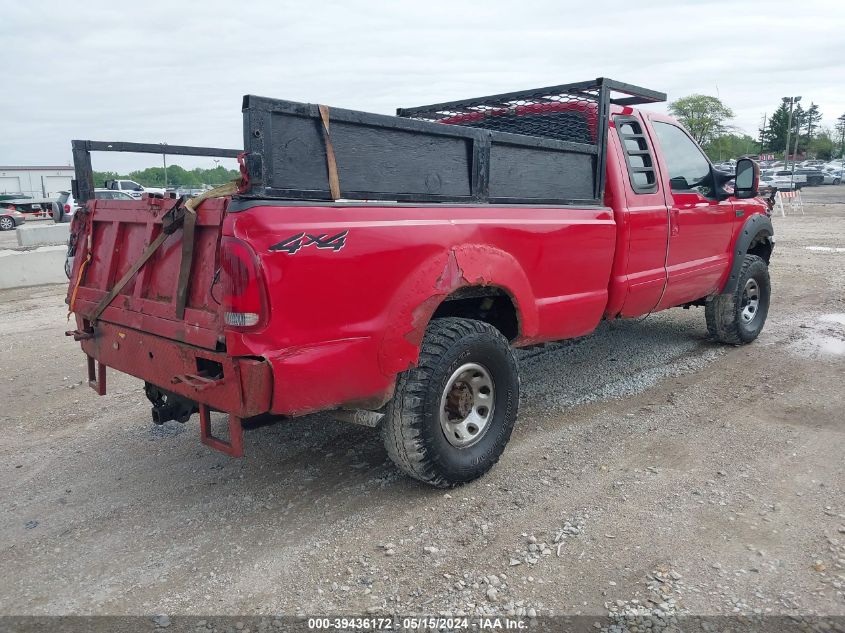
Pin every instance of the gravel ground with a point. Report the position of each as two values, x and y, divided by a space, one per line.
650 470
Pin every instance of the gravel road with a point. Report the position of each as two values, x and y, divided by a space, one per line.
650 469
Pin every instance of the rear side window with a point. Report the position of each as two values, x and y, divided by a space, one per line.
638 156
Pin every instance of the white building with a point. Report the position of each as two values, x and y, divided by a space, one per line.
36 181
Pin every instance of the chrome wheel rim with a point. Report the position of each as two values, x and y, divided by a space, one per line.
6 224
750 301
466 406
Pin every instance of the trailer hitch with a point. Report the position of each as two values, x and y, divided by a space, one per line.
168 405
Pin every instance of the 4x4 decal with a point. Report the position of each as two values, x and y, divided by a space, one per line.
295 242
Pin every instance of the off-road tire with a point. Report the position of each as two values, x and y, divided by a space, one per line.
411 428
724 312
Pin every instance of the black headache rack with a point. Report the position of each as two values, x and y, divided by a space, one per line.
83 184
540 146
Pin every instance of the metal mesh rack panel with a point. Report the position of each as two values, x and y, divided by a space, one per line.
564 115
575 114
568 112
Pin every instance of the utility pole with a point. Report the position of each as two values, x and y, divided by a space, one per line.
842 141
791 101
762 134
164 161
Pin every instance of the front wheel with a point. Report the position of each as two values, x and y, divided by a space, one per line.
453 414
738 317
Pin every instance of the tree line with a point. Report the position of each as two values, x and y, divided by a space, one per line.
708 121
176 176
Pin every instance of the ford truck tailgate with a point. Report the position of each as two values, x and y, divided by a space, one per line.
119 232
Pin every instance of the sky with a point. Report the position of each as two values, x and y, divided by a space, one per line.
176 71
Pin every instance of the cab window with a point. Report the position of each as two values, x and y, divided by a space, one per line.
689 169
638 156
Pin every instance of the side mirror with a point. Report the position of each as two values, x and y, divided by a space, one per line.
747 179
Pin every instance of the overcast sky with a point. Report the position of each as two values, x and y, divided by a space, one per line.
175 71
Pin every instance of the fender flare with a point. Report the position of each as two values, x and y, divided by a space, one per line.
755 226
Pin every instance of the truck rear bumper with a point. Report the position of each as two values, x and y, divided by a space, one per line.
242 387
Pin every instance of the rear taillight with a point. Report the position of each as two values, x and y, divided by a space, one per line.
67 208
244 293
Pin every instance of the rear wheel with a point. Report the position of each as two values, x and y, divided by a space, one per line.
6 224
453 414
738 317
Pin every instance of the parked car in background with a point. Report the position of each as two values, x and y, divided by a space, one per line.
812 163
785 180
766 175
10 218
806 177
814 176
67 205
27 205
131 187
5 197
832 176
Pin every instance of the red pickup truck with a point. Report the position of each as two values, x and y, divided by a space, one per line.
385 267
